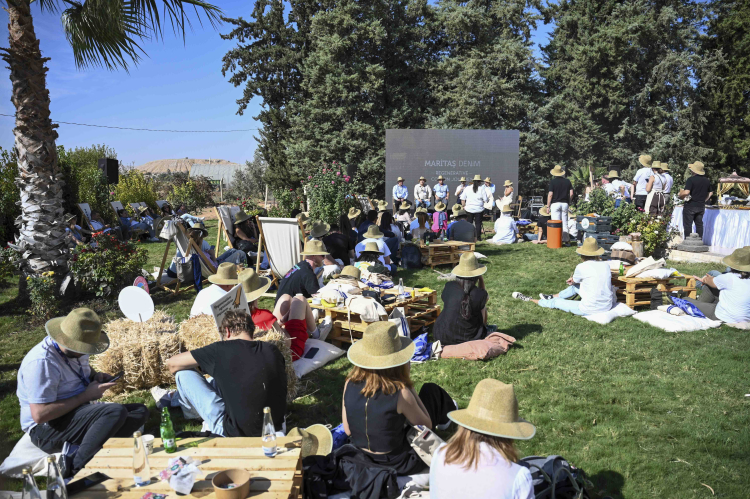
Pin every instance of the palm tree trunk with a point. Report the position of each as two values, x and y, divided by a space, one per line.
40 180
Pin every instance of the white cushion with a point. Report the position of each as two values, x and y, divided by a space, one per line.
25 455
325 354
621 245
739 325
621 310
658 273
644 265
675 324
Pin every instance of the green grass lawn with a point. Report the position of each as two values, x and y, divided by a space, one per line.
644 412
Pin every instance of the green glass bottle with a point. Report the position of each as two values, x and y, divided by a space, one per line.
167 432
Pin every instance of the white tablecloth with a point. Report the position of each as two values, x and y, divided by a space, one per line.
729 229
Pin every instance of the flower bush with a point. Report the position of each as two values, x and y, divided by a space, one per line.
327 190
108 265
655 231
42 295
599 202
249 206
288 200
196 193
9 262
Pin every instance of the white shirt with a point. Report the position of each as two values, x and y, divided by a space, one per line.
621 183
493 478
572 226
460 189
595 280
204 299
734 298
474 200
490 189
422 192
668 183
360 247
505 230
640 180
612 190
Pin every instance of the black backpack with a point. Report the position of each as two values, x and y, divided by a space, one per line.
554 478
411 257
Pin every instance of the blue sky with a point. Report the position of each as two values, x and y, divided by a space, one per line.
177 86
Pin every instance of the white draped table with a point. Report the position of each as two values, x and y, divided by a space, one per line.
723 230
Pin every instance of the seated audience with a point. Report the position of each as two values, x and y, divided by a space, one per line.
222 281
592 281
296 319
370 255
167 211
370 219
420 224
254 286
373 235
340 244
73 233
403 213
461 229
541 235
464 314
380 400
388 226
56 386
347 281
245 232
349 227
301 278
129 224
99 225
246 376
506 231
197 233
479 460
187 217
726 297
440 220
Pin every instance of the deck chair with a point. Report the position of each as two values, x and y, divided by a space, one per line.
516 207
364 202
186 247
134 233
225 215
134 207
279 238
85 210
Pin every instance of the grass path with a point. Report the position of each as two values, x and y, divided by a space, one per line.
644 412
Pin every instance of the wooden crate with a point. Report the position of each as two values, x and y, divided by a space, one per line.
279 477
635 292
422 310
444 253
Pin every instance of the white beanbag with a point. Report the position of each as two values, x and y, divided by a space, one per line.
325 354
739 325
25 455
621 310
620 245
675 324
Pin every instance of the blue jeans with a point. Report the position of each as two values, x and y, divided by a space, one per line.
712 273
144 226
190 218
563 302
422 202
201 395
233 256
618 202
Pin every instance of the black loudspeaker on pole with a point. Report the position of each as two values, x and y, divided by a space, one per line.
110 168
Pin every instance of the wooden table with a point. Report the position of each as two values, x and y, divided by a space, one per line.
635 291
279 477
445 253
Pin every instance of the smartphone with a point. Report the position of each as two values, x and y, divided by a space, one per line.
85 483
311 353
117 377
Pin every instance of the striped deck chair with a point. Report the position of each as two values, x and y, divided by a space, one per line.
280 239
186 247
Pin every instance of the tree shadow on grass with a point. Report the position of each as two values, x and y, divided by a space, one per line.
607 484
520 331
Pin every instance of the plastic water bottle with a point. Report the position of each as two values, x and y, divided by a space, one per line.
55 484
141 468
269 434
30 490
400 286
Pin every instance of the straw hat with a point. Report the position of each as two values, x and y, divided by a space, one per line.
508 183
354 212
373 232
225 274
381 347
314 247
460 213
303 217
506 209
697 168
383 206
463 179
440 206
544 211
400 179
317 440
468 266
422 178
199 226
739 259
319 229
487 179
253 285
350 270
613 174
68 217
370 247
80 331
240 217
665 167
493 410
590 248
404 206
141 209
645 160
655 165
557 171
477 178
456 207
441 177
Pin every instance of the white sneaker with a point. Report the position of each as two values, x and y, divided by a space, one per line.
162 396
316 314
520 296
542 296
321 332
154 239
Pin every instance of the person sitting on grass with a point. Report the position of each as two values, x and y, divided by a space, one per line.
297 320
403 213
373 235
592 281
56 386
370 255
371 219
348 224
464 315
440 220
726 297
128 224
480 459
461 229
541 236
506 231
338 242
379 400
301 279
420 224
222 281
245 377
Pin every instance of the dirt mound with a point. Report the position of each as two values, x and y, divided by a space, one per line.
178 165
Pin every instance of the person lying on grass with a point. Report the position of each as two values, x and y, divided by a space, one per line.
592 281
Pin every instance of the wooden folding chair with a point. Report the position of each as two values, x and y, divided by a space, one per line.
516 207
282 244
186 247
225 215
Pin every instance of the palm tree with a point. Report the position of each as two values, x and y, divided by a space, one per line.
101 33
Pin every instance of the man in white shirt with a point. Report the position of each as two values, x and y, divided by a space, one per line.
638 190
441 191
460 188
373 235
222 281
473 200
506 231
617 188
422 193
592 281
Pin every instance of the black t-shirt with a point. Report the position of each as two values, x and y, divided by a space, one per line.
542 222
338 245
463 231
560 188
299 279
250 375
699 187
452 329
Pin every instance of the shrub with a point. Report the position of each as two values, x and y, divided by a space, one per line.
247 182
134 187
42 295
9 194
288 200
10 260
327 190
196 193
599 202
84 181
108 265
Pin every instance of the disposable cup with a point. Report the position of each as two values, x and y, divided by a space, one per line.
148 443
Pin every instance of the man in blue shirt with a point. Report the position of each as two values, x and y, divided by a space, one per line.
441 191
400 193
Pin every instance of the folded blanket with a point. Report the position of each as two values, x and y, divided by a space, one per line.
493 345
674 323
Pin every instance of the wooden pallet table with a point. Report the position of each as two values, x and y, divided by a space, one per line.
421 310
278 477
635 292
444 253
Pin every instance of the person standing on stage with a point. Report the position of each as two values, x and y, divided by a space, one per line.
473 199
638 192
400 193
422 193
460 189
489 187
698 188
507 198
441 191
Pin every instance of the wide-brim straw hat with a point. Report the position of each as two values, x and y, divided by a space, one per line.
199 226
463 179
493 410
456 207
373 232
226 274
477 178
697 168
613 174
141 209
422 178
665 167
400 179
381 347
460 213
590 248
354 212
468 266
350 271
253 285
739 259
544 211
303 217
655 165
440 206
508 183
80 331
319 229
506 209
441 177
317 440
404 206
240 217
557 171
487 179
68 217
645 160
372 247
314 247
383 206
